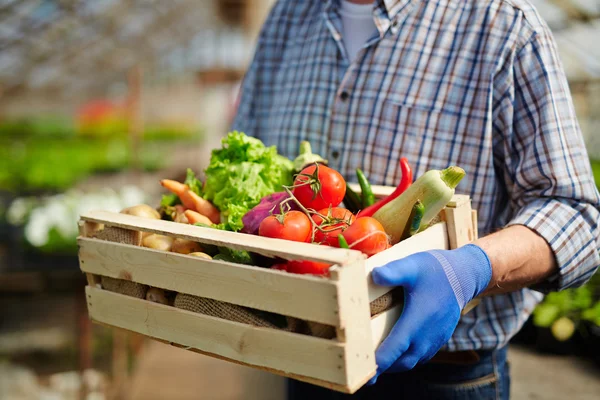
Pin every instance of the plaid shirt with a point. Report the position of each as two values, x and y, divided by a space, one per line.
443 82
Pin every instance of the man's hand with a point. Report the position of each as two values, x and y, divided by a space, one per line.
437 285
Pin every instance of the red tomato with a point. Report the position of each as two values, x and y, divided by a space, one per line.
293 225
330 237
308 267
376 241
281 267
322 191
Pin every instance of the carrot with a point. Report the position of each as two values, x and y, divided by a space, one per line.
181 191
201 205
174 187
194 217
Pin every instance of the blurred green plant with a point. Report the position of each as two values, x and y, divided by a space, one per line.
49 154
171 132
39 127
56 164
574 305
596 172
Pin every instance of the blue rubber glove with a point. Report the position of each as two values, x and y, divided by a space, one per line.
437 286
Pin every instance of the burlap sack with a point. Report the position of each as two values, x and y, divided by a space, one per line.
387 301
377 306
220 309
296 325
321 330
125 287
381 304
120 235
122 286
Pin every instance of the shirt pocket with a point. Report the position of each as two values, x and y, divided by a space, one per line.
421 132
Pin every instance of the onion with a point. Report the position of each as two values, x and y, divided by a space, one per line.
254 217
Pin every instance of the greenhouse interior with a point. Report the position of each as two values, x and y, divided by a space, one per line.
101 102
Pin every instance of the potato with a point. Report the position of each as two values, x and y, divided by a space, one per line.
158 242
201 255
181 218
142 210
92 228
184 246
157 295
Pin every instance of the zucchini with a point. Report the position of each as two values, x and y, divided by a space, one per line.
434 189
307 157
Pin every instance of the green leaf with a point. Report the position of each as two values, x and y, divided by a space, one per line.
241 173
193 183
545 314
237 256
169 200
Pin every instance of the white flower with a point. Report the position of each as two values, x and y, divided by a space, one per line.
18 210
37 228
61 212
131 196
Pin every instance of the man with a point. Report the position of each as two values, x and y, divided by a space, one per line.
476 84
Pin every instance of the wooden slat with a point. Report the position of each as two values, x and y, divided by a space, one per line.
355 314
382 324
87 229
475 225
92 280
283 351
378 190
460 224
459 200
313 381
300 296
470 305
238 241
433 238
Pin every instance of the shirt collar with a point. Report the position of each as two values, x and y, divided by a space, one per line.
385 13
391 6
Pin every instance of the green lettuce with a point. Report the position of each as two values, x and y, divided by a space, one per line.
241 173
193 183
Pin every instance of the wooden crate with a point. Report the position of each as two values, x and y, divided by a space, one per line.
344 363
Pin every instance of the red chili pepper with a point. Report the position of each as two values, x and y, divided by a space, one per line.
405 182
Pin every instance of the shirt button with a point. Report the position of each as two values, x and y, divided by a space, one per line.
344 95
335 154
